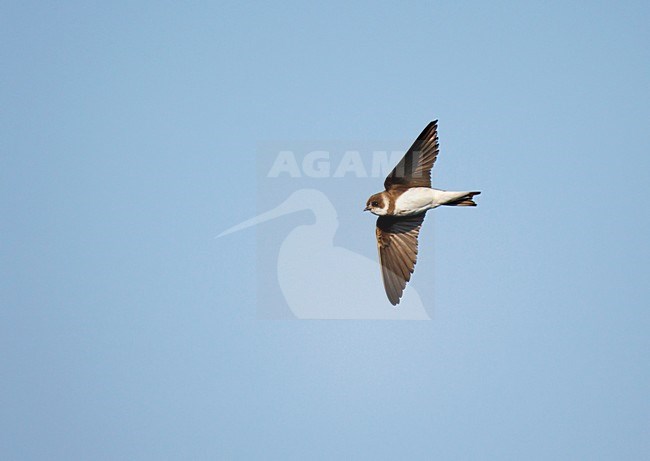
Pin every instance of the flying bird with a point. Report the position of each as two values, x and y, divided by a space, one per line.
402 207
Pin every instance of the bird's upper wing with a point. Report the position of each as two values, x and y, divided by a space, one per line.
414 170
397 240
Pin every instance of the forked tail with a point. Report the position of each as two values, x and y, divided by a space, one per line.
463 199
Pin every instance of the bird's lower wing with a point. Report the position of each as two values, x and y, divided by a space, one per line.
397 241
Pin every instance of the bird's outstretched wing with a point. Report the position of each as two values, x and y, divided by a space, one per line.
414 170
397 241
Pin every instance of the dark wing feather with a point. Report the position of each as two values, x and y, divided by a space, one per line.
414 170
397 240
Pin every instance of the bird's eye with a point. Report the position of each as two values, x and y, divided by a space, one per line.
375 203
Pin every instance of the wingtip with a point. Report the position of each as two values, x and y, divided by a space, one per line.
392 298
431 127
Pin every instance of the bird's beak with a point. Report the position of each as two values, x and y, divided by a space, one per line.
366 208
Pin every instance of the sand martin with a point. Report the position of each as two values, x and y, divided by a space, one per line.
401 209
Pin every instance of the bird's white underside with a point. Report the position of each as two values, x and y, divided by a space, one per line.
420 199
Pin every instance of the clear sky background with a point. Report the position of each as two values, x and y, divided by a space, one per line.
129 133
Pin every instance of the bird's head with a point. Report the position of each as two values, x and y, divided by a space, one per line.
377 204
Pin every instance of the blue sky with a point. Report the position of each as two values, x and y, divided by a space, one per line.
131 131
